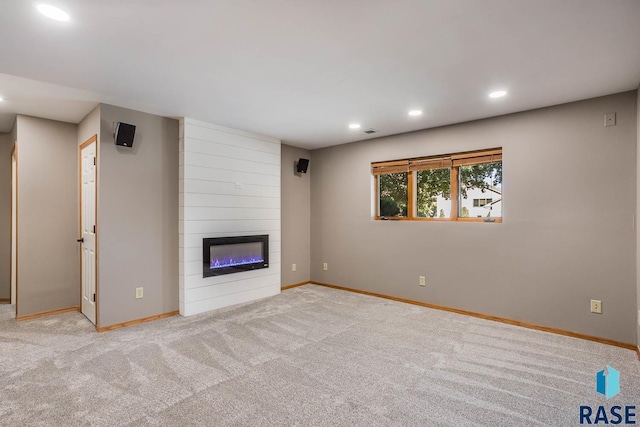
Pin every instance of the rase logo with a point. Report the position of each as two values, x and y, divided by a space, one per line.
608 384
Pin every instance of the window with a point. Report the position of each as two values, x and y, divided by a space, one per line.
452 187
394 194
433 192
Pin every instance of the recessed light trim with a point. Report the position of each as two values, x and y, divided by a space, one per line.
498 94
53 12
354 126
415 113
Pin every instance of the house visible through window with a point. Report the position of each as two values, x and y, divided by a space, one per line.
453 187
478 203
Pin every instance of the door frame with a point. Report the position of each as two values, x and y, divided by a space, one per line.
13 270
89 141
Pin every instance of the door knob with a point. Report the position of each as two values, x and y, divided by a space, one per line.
80 240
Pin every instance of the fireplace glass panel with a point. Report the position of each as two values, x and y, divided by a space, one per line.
238 254
226 255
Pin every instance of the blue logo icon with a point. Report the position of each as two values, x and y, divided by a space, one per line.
608 383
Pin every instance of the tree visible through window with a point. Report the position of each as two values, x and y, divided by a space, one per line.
434 193
394 194
462 186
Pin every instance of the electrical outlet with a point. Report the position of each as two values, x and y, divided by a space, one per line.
294 267
596 306
325 266
139 293
423 281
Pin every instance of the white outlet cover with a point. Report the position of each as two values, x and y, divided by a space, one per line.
610 119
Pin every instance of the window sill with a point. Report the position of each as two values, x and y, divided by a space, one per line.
404 218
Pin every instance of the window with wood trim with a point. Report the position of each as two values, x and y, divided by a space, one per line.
452 187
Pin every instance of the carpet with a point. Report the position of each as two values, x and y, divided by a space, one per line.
311 356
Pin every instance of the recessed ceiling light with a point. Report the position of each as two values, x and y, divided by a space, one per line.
2 99
498 94
415 113
53 12
354 126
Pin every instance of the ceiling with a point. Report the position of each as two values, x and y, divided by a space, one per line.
301 71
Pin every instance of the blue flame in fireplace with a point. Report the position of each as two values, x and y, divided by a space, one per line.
232 262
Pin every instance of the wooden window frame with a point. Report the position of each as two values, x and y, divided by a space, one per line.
412 166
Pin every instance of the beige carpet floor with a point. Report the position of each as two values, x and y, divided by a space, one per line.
311 356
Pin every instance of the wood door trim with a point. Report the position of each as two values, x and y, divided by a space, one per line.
94 138
14 154
85 144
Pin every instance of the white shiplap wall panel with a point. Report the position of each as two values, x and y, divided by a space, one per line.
198 213
181 187
192 186
195 240
227 300
200 147
229 186
213 291
231 164
232 201
201 173
231 137
196 281
246 226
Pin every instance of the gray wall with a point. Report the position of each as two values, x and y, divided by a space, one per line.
5 215
296 217
47 216
89 126
567 236
137 218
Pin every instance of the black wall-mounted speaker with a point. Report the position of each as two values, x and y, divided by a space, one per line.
124 134
302 166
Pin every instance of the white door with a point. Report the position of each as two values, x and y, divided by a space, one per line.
88 228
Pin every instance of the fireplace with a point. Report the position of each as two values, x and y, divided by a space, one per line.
226 255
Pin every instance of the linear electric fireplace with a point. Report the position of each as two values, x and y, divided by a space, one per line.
226 255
